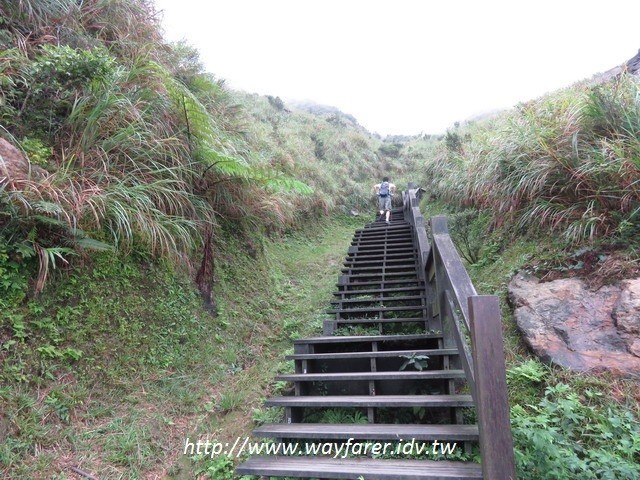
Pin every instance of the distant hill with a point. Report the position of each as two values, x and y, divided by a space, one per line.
630 66
322 110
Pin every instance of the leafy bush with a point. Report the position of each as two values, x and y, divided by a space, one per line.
567 162
564 437
51 83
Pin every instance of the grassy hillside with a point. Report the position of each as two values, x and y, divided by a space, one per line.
142 186
536 187
147 186
117 363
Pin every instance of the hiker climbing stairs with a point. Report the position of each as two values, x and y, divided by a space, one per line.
384 376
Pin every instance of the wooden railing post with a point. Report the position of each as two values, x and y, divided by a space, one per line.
496 442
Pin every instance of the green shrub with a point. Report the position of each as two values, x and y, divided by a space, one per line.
564 437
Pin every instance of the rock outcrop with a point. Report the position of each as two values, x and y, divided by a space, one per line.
567 324
15 169
631 66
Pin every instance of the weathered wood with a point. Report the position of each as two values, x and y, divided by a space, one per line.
375 268
408 308
496 448
390 281
454 275
419 287
412 274
330 401
383 261
353 321
365 338
368 432
457 332
354 468
379 354
380 299
353 376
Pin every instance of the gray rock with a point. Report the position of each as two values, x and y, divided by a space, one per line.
565 323
15 169
627 311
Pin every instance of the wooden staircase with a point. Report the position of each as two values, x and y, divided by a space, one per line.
382 294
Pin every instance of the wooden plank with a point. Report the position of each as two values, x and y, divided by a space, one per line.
372 354
368 431
412 275
454 272
353 376
389 281
330 401
354 468
379 299
415 288
353 321
387 266
460 342
498 460
378 308
365 338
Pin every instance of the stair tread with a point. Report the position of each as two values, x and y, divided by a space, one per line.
378 354
353 321
399 281
386 268
378 308
353 468
379 290
383 242
358 255
375 263
403 298
368 431
372 401
398 375
365 338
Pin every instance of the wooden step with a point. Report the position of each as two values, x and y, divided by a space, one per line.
382 227
390 280
355 376
330 431
382 241
379 290
354 468
386 237
378 354
407 266
364 338
357 256
375 321
378 309
386 269
406 298
382 245
378 263
375 401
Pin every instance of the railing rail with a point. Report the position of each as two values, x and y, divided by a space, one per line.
470 322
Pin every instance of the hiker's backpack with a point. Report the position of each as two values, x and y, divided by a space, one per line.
384 189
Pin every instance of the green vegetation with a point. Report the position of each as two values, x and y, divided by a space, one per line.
566 163
150 187
118 362
537 188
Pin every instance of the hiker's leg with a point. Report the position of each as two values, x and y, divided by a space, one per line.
381 205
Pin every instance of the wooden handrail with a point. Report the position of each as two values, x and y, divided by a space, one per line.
471 323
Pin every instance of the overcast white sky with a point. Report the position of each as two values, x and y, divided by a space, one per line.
406 66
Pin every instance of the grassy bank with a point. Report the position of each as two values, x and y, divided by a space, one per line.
116 363
565 424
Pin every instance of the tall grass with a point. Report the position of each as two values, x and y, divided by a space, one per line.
568 162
